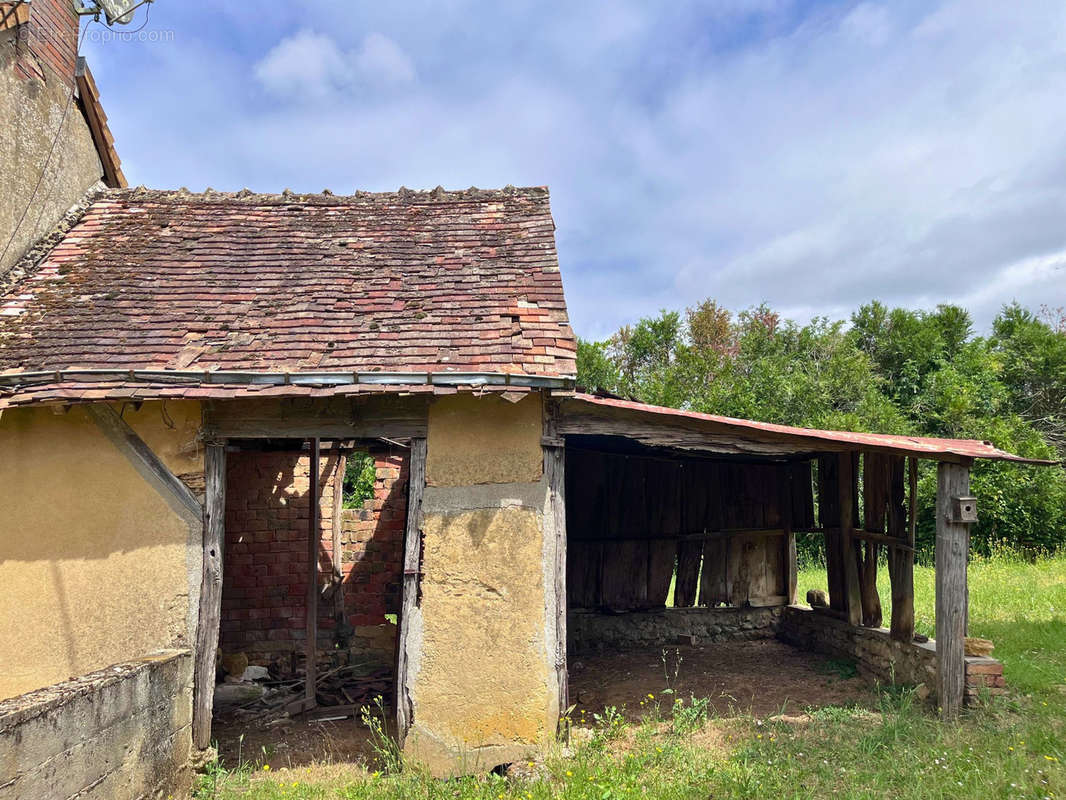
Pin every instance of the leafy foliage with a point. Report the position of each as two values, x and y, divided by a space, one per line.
359 475
892 370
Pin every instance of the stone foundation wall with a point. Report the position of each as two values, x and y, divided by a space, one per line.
880 657
592 631
118 733
875 653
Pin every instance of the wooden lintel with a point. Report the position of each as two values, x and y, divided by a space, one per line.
388 416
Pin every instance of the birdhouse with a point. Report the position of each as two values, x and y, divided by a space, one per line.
964 509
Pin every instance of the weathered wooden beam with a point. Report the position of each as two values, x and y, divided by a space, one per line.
337 530
412 565
900 556
789 544
846 487
688 537
314 537
387 416
952 552
146 462
555 476
214 516
829 517
875 507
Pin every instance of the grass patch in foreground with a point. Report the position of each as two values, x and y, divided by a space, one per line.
1011 748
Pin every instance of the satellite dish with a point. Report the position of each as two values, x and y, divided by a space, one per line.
116 12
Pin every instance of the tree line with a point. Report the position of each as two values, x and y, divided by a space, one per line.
924 373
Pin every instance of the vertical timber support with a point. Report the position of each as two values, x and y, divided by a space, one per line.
846 487
314 535
952 553
554 461
554 447
901 559
412 567
337 530
789 541
210 594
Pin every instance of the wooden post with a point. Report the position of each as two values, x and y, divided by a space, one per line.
412 566
554 474
210 594
846 487
901 559
952 552
829 514
875 487
314 536
337 531
789 542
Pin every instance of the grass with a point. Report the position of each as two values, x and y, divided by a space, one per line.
1006 748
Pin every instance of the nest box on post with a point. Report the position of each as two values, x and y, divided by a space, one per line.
964 509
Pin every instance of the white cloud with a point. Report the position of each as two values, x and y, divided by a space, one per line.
309 65
809 156
381 58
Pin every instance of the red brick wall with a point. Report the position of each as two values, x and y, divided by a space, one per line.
265 565
49 40
373 544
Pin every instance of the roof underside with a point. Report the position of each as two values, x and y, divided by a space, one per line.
802 440
273 284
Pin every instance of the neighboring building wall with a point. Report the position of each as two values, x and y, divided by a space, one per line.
119 733
100 568
481 640
264 585
37 61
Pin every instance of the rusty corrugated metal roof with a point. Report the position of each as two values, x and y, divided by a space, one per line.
920 446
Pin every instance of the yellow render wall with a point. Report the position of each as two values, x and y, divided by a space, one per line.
481 643
95 566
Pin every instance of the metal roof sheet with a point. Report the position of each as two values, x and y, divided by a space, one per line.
919 446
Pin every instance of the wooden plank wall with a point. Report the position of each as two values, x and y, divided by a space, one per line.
631 519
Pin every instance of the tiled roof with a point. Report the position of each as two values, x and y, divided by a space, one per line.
405 281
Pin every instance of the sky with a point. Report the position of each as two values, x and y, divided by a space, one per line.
809 155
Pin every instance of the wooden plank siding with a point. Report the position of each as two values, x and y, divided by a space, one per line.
724 527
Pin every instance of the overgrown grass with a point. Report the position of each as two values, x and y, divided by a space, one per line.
1007 748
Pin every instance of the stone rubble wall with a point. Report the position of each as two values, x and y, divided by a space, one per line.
119 733
590 631
879 656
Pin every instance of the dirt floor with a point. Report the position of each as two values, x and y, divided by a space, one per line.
759 677
291 742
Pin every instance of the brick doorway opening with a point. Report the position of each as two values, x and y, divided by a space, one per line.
265 569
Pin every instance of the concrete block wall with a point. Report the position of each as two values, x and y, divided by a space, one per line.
119 733
589 631
265 563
